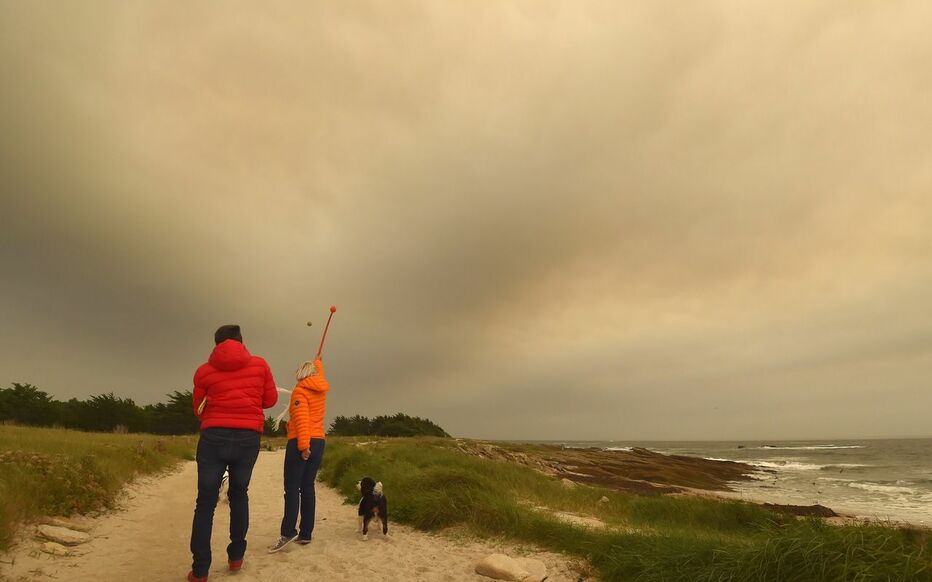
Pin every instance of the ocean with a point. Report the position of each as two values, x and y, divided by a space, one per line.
878 479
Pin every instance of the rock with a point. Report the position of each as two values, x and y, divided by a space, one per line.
501 567
567 484
802 510
63 535
604 499
580 520
55 549
537 569
67 523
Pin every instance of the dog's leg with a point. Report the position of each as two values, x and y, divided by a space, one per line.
225 487
359 530
383 514
365 527
377 515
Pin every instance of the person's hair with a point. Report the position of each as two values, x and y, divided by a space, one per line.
225 332
304 370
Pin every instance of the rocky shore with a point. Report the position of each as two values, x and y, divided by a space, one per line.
637 470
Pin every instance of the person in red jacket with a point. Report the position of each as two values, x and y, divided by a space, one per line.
230 392
304 452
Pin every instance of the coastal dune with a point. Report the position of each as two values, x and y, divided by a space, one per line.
147 540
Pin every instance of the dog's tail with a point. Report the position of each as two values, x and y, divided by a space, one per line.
378 488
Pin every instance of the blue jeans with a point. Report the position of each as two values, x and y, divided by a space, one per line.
299 478
218 450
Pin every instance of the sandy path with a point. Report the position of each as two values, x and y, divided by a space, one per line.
148 540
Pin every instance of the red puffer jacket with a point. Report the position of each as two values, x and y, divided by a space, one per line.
237 385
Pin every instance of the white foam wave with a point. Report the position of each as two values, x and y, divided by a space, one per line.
811 448
786 465
878 488
617 448
844 466
758 476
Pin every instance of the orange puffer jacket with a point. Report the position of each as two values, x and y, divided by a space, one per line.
307 407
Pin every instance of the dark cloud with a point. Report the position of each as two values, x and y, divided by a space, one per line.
538 219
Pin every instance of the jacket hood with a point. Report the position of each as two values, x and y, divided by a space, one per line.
229 355
314 383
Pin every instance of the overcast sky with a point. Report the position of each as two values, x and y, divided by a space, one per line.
548 220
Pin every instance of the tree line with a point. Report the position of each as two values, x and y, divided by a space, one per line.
397 425
27 405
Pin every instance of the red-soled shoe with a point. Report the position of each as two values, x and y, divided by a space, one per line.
193 578
236 565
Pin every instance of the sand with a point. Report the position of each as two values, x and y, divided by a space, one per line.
147 539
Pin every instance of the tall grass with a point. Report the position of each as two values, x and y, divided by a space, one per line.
46 471
432 486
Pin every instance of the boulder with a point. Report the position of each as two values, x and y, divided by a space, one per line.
604 499
63 535
55 549
568 484
501 567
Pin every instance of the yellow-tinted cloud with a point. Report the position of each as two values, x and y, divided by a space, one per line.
588 219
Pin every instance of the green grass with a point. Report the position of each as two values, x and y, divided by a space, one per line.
46 471
432 486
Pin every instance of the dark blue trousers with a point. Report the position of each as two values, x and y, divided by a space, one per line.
218 450
299 478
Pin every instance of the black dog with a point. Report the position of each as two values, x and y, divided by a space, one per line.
373 505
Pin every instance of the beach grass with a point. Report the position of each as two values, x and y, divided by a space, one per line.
48 471
433 486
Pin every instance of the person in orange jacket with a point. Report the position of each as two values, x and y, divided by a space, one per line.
304 452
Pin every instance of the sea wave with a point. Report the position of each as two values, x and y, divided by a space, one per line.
810 448
794 465
758 476
787 465
880 488
618 448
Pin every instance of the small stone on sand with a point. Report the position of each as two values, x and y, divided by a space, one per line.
55 549
67 523
537 569
501 567
63 535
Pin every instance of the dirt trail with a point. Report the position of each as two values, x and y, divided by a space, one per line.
147 540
